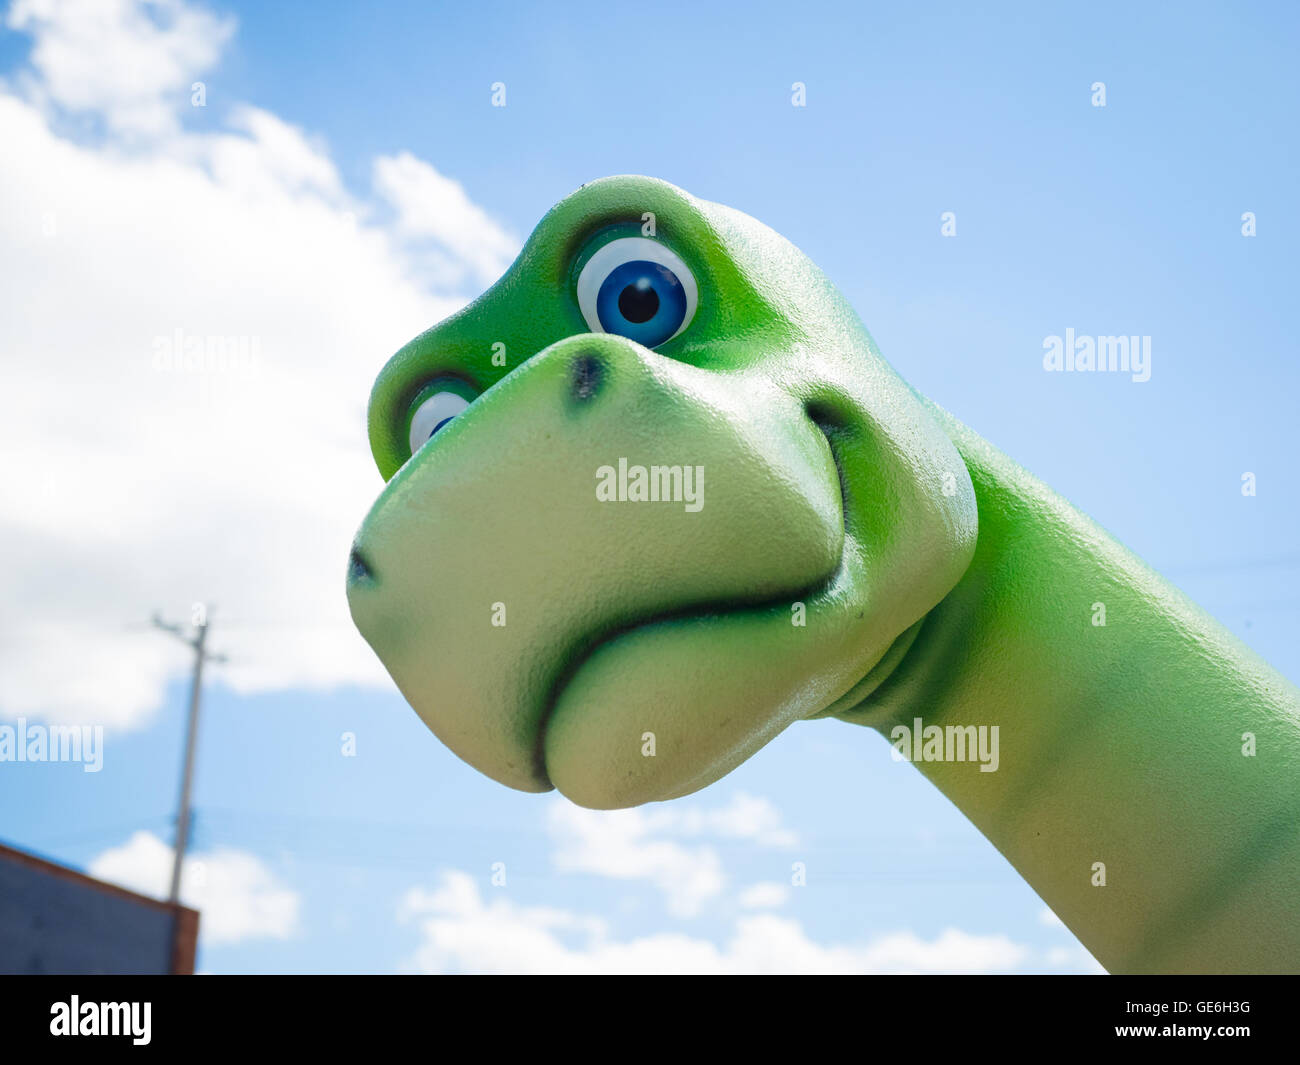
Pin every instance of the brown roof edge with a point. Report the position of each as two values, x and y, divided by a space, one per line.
185 941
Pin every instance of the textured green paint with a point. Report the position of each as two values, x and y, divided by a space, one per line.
939 581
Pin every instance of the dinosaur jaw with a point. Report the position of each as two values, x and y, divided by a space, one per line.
672 692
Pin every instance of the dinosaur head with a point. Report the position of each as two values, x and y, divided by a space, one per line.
651 498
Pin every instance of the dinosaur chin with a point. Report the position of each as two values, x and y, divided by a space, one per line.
621 570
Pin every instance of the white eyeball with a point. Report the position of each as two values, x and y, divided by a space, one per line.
432 415
637 288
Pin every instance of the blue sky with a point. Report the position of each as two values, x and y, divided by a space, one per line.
1123 219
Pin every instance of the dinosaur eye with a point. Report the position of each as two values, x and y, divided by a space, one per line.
432 414
639 289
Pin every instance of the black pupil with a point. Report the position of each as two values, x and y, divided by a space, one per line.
638 302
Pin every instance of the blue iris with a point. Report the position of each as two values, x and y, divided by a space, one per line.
642 301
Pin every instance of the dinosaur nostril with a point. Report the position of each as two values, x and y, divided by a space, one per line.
587 375
358 568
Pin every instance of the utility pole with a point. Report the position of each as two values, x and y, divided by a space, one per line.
198 641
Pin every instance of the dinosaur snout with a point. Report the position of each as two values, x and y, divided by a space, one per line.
597 490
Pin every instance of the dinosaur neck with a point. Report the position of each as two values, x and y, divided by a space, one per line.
1122 747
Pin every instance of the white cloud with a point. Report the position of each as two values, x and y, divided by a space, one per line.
745 817
431 207
1072 958
618 844
462 932
192 327
237 897
643 844
270 161
130 61
765 895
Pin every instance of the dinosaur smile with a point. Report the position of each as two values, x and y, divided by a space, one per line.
551 630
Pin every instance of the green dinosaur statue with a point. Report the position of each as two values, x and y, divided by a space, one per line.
655 495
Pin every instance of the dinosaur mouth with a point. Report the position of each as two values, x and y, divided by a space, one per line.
358 567
582 652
